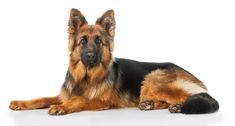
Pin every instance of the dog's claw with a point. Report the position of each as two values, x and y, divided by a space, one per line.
146 105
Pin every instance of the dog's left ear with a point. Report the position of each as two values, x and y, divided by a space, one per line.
107 21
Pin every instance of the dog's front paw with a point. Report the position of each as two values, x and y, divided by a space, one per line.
58 110
17 105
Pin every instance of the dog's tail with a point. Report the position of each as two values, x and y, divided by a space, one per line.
200 104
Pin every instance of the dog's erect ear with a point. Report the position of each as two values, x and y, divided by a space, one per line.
76 21
107 21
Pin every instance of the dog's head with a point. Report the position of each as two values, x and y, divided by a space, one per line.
92 45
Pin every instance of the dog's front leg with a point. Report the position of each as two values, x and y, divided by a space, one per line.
76 104
35 103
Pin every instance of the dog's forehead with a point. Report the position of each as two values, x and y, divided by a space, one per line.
91 29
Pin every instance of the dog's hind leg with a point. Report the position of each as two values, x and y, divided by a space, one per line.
182 91
159 92
34 104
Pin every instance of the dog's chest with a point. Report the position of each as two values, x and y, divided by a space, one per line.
101 91
109 95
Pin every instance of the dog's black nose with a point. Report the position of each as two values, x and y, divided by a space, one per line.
90 56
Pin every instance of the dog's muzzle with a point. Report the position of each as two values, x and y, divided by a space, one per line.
90 58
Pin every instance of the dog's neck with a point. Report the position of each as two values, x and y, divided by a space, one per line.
79 76
81 73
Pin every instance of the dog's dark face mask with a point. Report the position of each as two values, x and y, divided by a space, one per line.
90 51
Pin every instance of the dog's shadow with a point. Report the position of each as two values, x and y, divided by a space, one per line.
114 118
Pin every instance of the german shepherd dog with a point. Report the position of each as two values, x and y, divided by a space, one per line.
97 81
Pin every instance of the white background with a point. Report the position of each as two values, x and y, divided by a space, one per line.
198 35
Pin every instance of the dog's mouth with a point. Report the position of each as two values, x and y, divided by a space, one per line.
88 63
91 64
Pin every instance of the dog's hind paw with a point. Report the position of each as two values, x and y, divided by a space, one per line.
146 105
176 108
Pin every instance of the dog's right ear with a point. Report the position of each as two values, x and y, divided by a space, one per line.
76 21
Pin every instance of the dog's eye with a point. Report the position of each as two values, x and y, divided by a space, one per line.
83 41
98 41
